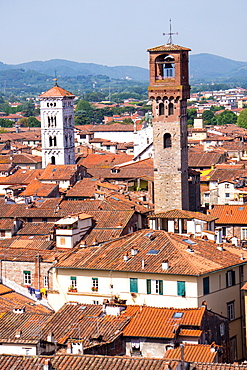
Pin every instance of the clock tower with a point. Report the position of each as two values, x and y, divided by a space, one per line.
169 90
57 126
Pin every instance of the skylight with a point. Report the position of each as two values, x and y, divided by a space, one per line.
188 241
177 315
241 208
54 169
153 251
115 198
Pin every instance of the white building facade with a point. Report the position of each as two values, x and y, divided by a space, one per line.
57 126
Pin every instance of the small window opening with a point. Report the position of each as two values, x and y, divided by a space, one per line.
167 141
53 160
50 141
170 109
161 109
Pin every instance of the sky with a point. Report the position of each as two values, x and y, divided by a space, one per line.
118 32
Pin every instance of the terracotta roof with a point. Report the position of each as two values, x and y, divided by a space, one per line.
30 255
177 213
192 352
6 224
226 174
230 214
83 188
10 300
190 333
217 366
40 228
21 176
168 47
203 159
59 172
39 189
163 321
56 92
184 258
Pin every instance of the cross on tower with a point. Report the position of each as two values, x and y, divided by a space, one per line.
170 33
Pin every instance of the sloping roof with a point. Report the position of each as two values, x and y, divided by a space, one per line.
216 366
38 189
184 258
230 214
56 92
90 322
192 352
196 159
169 47
39 228
59 172
89 362
177 213
164 325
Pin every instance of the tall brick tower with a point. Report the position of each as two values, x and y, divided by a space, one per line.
169 90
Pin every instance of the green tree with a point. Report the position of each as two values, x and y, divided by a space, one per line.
226 117
33 122
6 123
28 109
209 118
23 121
191 115
242 119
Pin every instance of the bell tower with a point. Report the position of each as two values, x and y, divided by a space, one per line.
57 126
169 90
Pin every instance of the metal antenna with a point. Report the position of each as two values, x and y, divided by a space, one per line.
170 34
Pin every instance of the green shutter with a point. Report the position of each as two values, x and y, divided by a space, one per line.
133 285
160 287
148 286
26 272
72 277
181 288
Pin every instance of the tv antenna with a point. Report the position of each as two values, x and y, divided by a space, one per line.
170 34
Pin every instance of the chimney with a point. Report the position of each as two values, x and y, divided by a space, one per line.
242 257
165 265
125 257
204 304
50 337
143 263
18 334
218 233
134 251
47 364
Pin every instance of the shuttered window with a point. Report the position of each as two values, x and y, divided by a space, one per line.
133 285
181 288
154 286
206 285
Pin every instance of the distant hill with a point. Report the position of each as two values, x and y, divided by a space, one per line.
212 66
35 77
66 68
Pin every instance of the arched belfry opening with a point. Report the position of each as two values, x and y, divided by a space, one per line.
161 109
165 66
53 160
167 140
170 109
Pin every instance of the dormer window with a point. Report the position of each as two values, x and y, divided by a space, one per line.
115 170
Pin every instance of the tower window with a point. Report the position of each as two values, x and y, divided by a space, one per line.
169 66
49 121
53 160
55 120
161 109
50 141
167 141
170 109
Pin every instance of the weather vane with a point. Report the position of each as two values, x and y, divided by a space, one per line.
170 33
55 79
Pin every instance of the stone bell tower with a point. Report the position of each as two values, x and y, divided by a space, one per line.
57 126
169 90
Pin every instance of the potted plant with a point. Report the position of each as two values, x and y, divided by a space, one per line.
72 289
94 289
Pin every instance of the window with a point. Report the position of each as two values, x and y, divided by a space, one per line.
44 219
133 285
95 302
53 160
181 288
46 281
227 195
135 346
206 285
73 281
27 277
230 278
230 311
222 329
167 141
154 286
227 186
29 219
2 233
170 109
95 284
50 141
62 241
161 109
244 233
